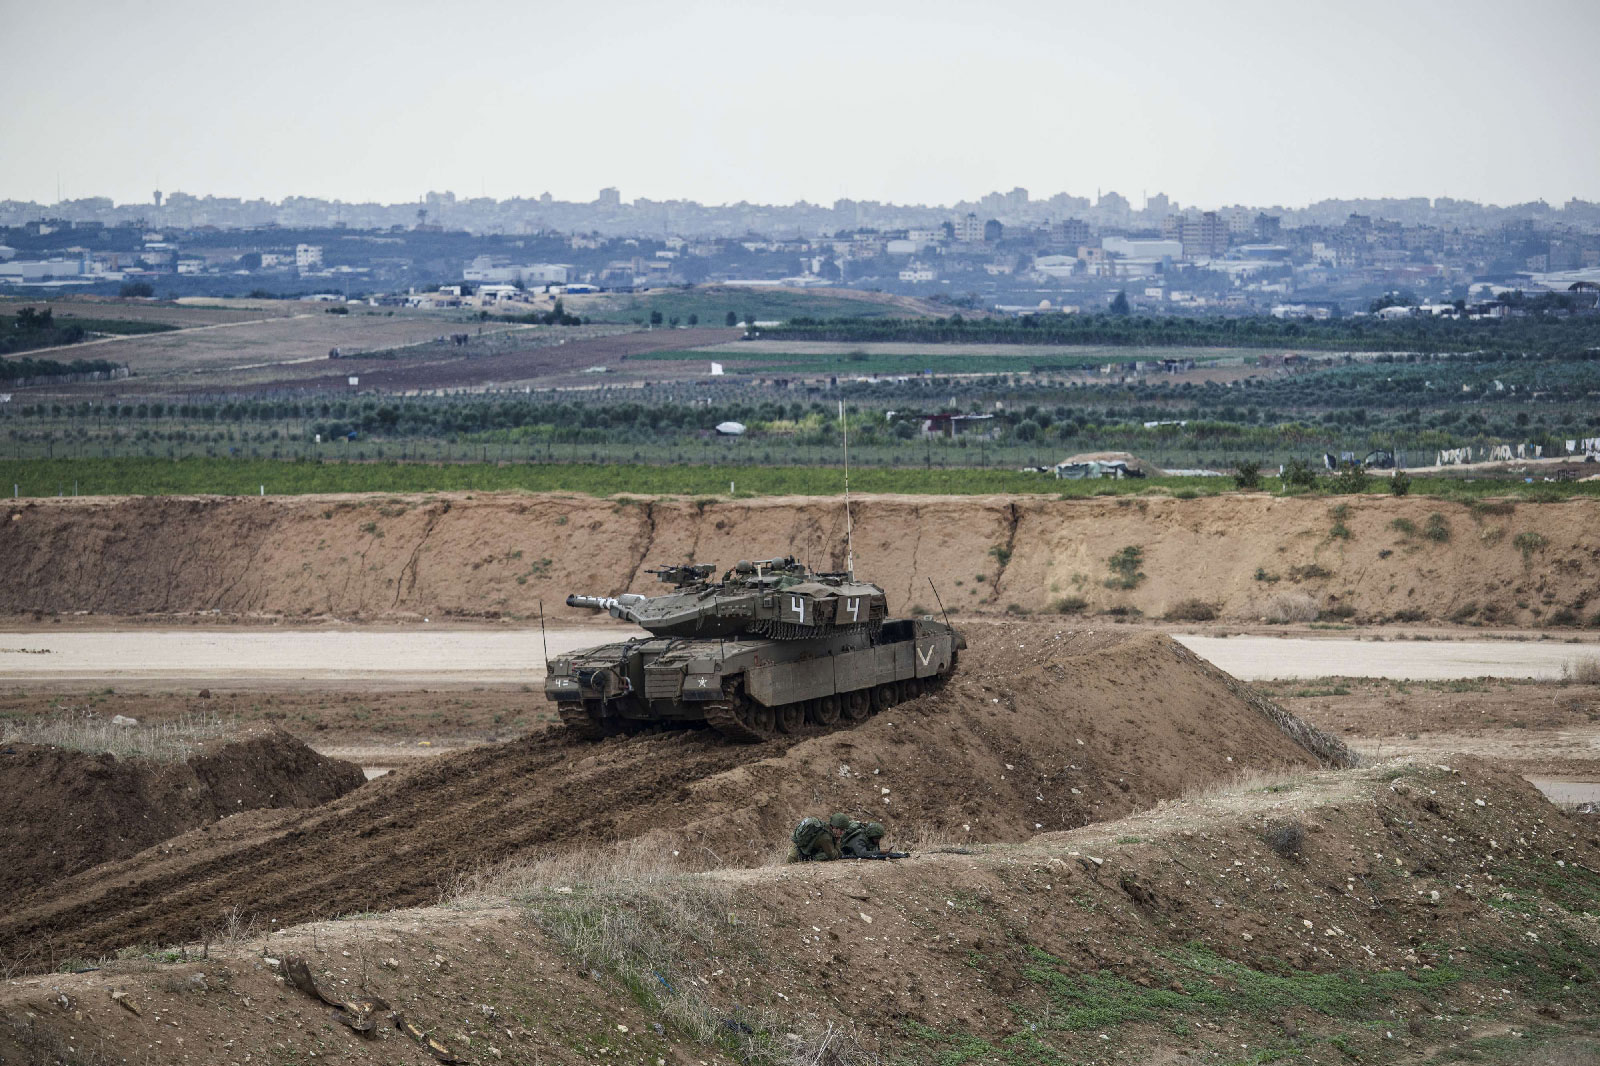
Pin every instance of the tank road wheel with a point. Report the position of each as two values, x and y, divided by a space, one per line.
761 719
791 717
826 711
883 697
857 706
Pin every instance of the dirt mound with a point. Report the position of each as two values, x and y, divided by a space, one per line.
70 810
473 555
1041 728
1419 913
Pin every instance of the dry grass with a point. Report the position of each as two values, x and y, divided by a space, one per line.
630 913
171 741
1288 607
1581 671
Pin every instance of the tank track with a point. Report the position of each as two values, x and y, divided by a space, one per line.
723 716
575 717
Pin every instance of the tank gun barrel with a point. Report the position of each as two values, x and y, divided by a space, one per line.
620 607
597 603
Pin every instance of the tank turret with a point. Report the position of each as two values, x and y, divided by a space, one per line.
778 599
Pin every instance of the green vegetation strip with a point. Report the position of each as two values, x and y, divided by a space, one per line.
247 477
232 477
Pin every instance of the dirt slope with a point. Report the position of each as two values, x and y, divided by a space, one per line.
67 811
475 555
1040 729
1424 914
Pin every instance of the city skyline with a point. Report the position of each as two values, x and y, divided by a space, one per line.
932 104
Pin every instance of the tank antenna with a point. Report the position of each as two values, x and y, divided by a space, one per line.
939 601
849 532
544 639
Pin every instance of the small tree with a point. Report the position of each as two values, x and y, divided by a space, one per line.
655 318
1351 477
1247 474
1119 305
136 290
1297 473
1400 484
732 319
694 320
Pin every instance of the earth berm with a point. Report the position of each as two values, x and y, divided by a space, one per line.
1399 913
465 555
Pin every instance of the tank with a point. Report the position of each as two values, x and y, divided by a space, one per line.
770 648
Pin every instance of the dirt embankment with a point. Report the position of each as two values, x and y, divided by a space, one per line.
476 555
67 811
1399 914
1039 730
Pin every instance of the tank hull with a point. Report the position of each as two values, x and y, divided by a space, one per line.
750 688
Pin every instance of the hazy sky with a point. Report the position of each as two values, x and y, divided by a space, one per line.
1261 103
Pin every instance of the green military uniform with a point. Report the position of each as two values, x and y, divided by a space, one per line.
815 840
861 838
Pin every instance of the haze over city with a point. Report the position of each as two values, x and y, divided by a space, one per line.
1249 103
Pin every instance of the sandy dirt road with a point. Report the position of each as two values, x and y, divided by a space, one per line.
476 657
274 656
1276 658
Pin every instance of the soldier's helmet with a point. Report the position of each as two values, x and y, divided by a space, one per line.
840 821
874 831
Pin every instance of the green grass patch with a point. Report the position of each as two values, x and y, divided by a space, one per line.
1214 985
244 477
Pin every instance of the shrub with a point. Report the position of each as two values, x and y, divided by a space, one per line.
1436 529
1191 611
1285 838
1464 612
1400 483
1351 477
1308 572
1297 473
1566 616
1247 474
1338 612
1404 526
1494 507
1125 565
1530 542
1001 553
1339 531
1583 671
1288 607
1262 575
1070 605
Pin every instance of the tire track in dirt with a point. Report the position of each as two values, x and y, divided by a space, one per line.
400 840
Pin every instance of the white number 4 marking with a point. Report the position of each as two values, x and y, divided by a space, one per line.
798 606
854 607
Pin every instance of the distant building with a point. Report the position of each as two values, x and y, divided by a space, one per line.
1069 232
307 257
969 229
609 197
1203 235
